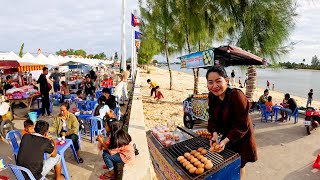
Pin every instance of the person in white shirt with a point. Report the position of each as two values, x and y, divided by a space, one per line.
103 109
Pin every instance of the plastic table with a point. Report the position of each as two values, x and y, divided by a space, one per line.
61 149
276 111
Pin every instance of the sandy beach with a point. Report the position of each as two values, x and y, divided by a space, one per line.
284 149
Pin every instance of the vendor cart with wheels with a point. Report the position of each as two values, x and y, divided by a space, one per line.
195 108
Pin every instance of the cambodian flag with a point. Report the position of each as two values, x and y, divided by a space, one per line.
138 35
134 20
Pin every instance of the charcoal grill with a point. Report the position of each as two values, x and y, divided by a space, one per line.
219 160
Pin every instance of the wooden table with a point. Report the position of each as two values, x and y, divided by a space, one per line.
26 101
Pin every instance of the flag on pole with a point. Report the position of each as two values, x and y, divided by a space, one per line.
134 20
138 35
137 44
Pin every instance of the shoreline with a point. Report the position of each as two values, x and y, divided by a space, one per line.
171 106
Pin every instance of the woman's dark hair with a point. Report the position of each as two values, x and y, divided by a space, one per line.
287 95
217 69
119 137
41 127
64 83
266 90
269 98
148 80
65 104
102 101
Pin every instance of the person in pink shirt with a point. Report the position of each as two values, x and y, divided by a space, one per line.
117 149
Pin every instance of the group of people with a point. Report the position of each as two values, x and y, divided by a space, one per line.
288 104
36 141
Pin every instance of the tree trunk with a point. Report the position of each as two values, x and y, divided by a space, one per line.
196 80
167 57
251 85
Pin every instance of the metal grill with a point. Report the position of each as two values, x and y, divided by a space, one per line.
219 160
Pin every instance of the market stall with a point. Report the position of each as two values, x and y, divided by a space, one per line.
196 106
184 154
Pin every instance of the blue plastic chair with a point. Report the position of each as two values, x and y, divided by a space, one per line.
81 105
264 114
17 171
94 130
295 114
90 105
12 140
98 94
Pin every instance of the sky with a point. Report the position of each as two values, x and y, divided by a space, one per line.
95 26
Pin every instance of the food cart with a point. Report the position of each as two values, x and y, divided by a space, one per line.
185 155
196 106
6 117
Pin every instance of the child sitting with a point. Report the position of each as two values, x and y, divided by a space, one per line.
269 104
158 94
79 96
117 149
28 127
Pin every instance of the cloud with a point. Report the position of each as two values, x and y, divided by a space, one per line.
53 25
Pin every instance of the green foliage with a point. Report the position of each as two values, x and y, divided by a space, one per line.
315 61
81 52
21 50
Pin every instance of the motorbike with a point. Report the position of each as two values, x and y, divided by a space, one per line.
312 119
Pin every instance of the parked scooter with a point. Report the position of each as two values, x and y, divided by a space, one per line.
312 119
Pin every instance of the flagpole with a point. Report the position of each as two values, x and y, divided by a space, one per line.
132 51
123 36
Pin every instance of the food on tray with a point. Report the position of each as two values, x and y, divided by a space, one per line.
190 157
207 162
200 165
187 155
189 166
176 137
200 157
193 160
199 171
183 160
204 151
180 158
197 154
208 166
193 152
197 163
186 163
192 170
204 159
204 134
168 143
200 149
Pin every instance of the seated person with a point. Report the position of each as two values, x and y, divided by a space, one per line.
32 149
117 149
111 100
288 107
79 96
28 127
103 109
269 104
263 98
67 125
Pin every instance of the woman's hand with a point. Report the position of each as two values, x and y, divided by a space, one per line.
99 139
220 147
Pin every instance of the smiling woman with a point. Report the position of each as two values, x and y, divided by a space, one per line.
229 117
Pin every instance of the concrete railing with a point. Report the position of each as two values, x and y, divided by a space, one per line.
140 167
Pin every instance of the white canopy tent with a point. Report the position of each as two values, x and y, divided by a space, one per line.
28 58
